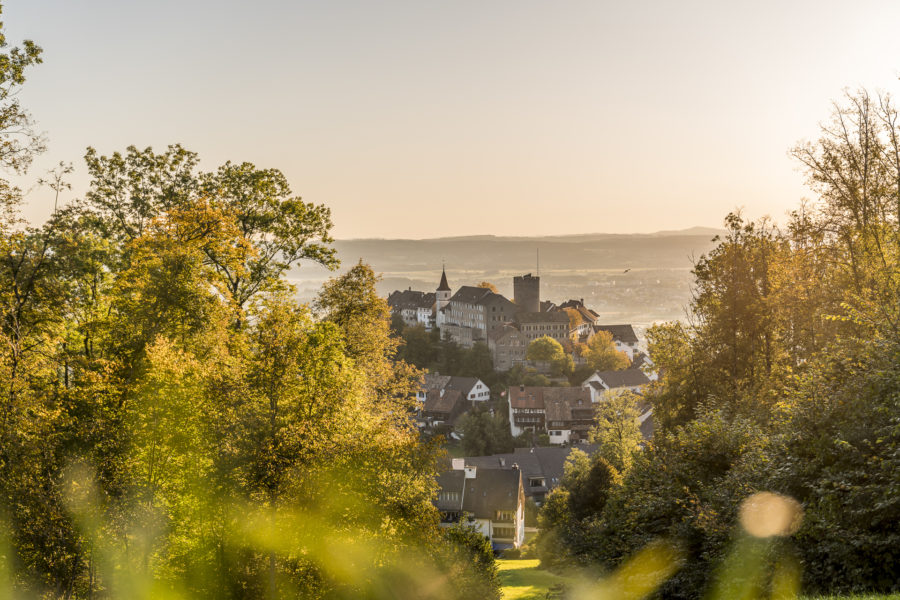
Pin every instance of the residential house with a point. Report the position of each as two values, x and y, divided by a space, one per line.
582 329
471 388
415 308
642 361
564 413
442 407
493 500
542 467
602 383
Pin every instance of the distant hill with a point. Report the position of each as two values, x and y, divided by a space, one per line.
593 266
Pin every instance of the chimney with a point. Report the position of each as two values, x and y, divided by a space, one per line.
502 462
471 471
515 466
458 464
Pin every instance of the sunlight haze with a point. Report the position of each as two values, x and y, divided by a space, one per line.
426 119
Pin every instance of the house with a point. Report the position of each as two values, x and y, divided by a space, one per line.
493 500
508 346
442 407
642 361
602 383
415 308
566 414
623 336
542 467
582 329
471 388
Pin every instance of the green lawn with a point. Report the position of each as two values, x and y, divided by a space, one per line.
523 580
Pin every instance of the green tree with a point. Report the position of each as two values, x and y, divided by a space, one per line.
544 349
617 432
601 355
484 434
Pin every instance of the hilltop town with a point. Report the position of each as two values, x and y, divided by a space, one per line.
530 392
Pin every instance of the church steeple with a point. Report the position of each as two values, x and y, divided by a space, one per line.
444 286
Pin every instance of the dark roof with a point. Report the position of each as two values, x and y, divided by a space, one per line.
648 426
451 481
621 333
470 294
478 295
463 384
444 286
410 299
546 305
625 378
547 462
436 381
492 490
541 396
542 317
435 402
558 404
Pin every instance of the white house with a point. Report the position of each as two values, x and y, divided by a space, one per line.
492 499
602 383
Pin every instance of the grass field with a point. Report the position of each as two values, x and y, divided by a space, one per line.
524 580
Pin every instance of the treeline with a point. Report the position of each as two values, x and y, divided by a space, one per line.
175 424
786 378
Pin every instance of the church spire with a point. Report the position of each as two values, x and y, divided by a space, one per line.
444 287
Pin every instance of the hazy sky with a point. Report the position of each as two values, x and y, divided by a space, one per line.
454 117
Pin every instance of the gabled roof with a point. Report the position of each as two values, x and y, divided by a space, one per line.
542 396
410 299
492 490
621 333
640 360
462 384
477 295
444 286
547 306
547 462
436 402
436 381
625 378
451 481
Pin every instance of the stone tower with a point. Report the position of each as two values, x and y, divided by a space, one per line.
527 293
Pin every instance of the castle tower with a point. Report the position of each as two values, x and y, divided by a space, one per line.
527 293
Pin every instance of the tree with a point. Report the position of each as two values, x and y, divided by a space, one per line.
19 141
275 230
601 354
617 432
484 434
488 286
544 349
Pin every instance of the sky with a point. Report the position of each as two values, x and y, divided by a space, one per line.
435 118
